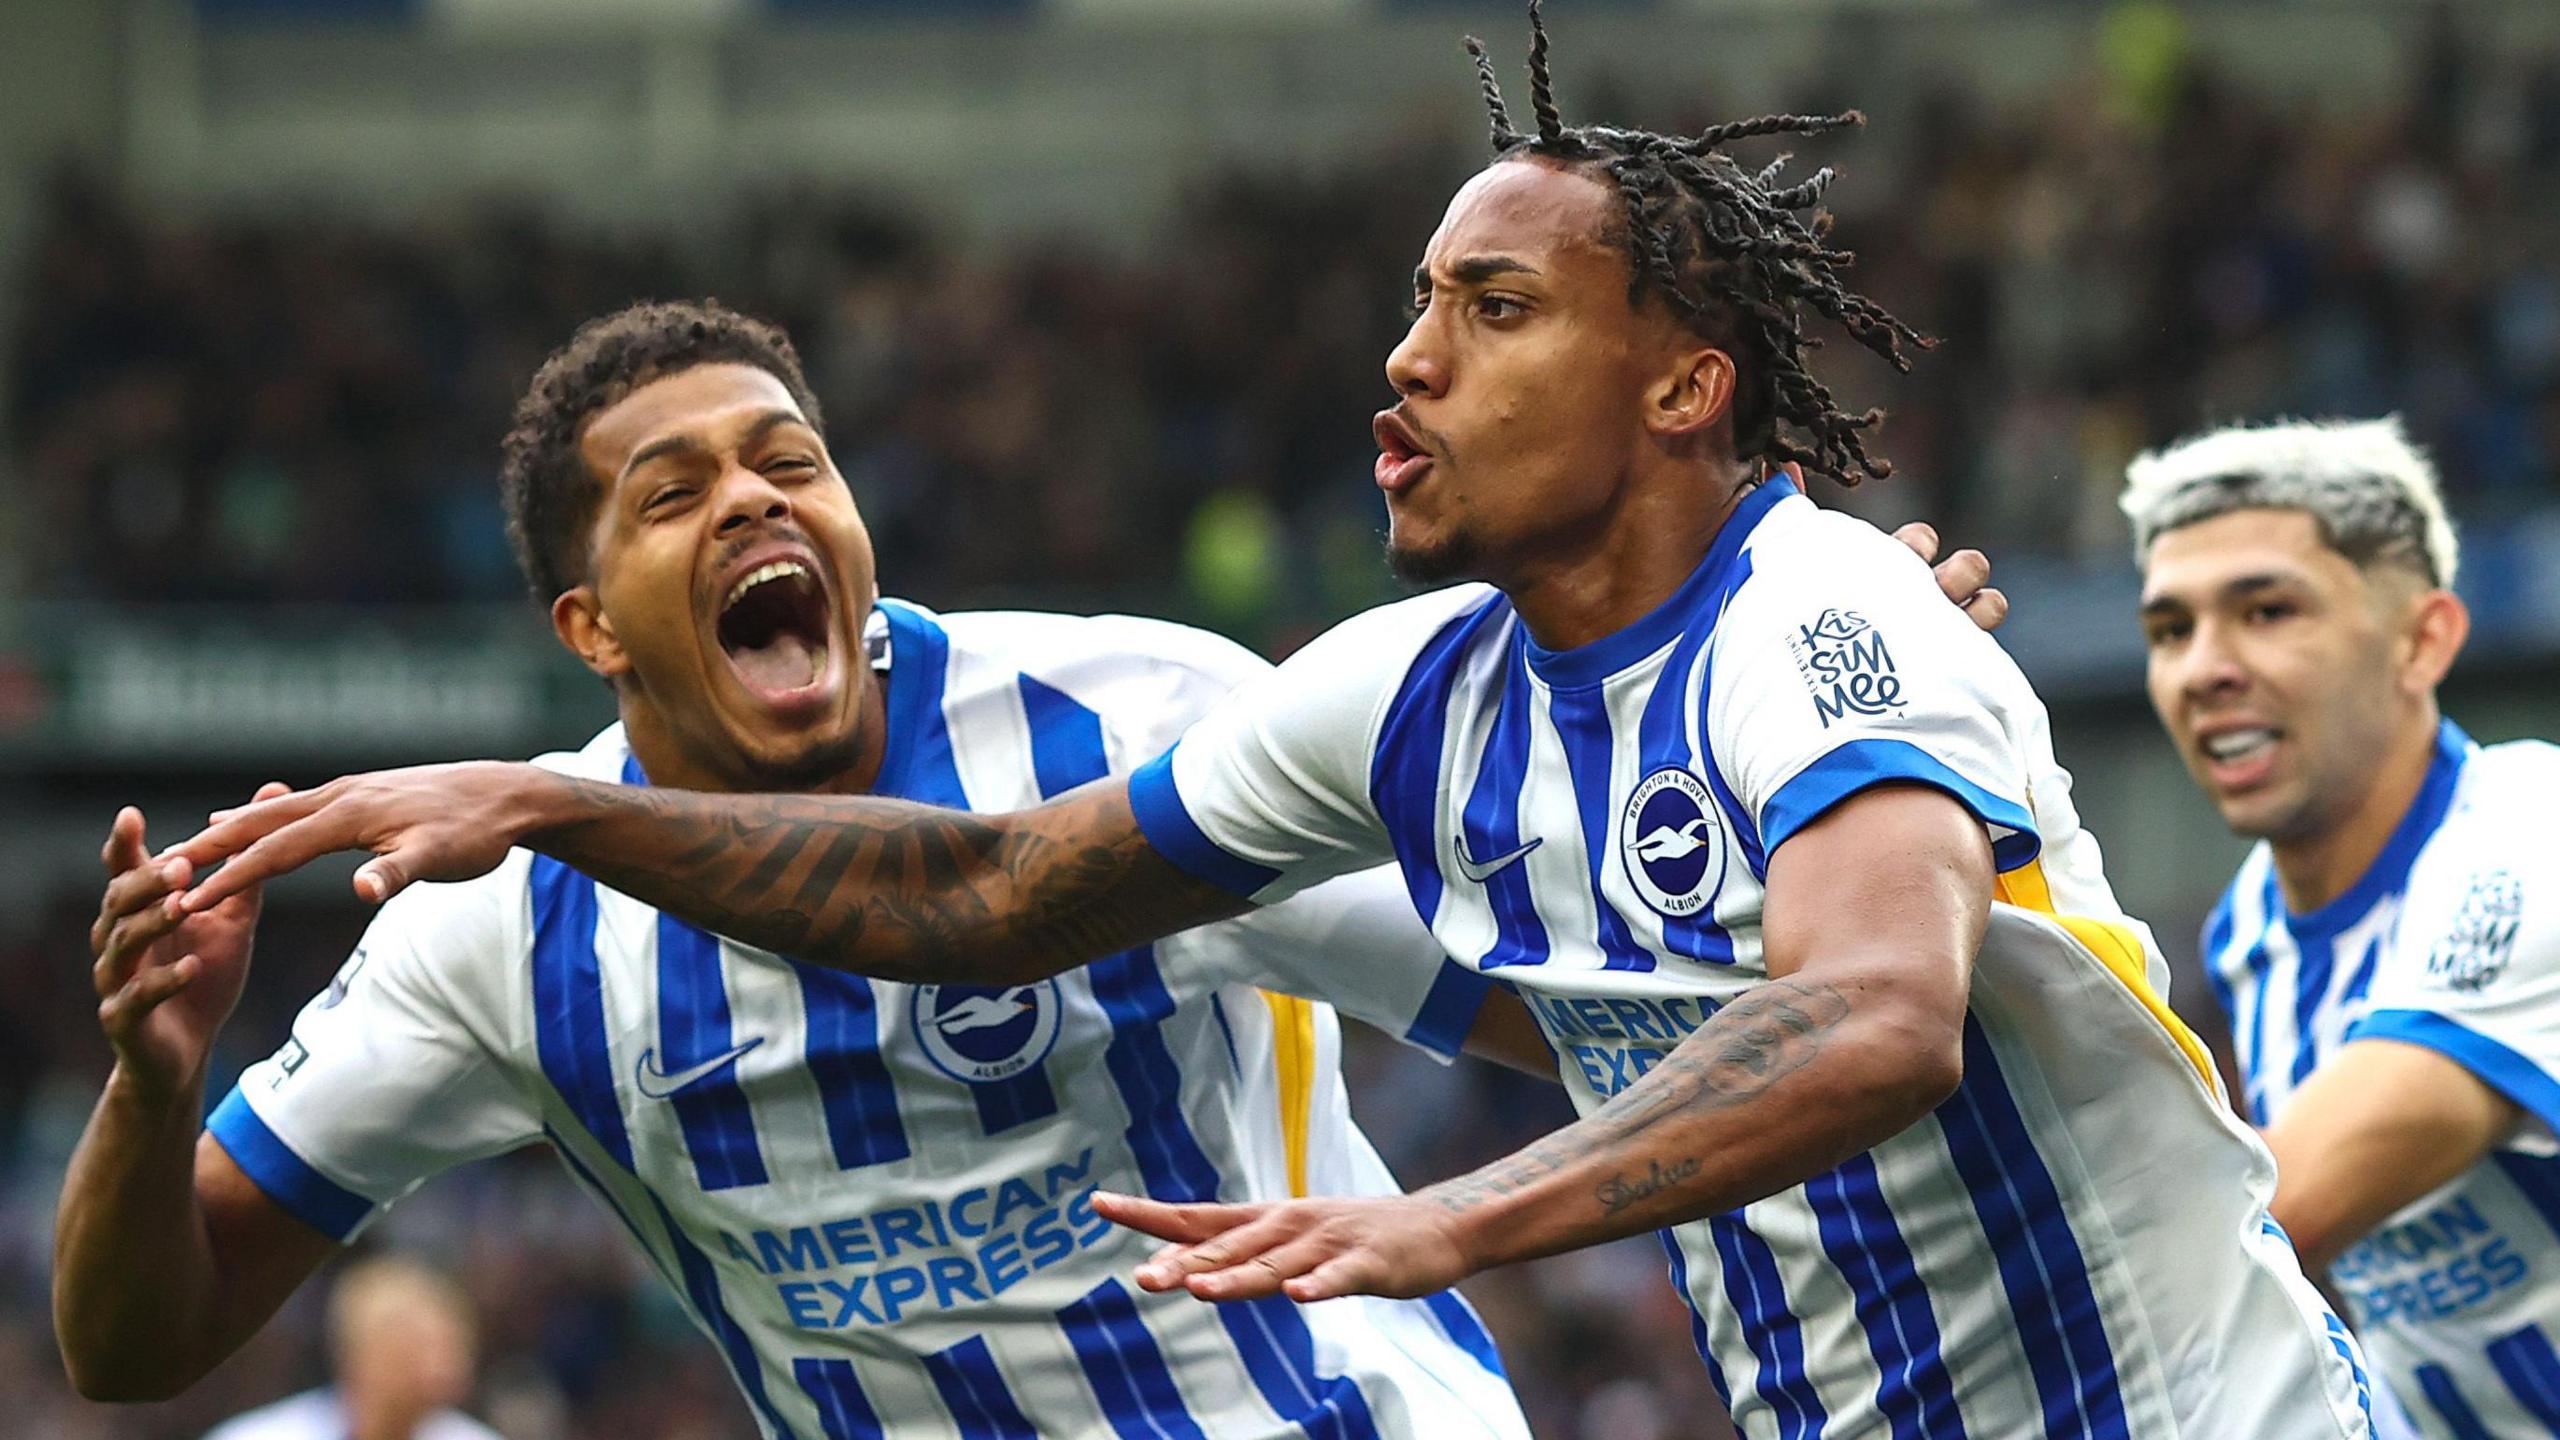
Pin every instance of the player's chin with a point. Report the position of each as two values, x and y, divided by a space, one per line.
1422 555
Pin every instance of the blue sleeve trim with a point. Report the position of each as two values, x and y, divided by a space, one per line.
1863 764
1169 827
1449 1011
305 1193
2505 1071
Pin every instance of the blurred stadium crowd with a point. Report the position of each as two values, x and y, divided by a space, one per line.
307 409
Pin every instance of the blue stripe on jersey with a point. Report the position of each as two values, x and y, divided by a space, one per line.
1847 769
2361 982
568 1004
1404 774
2217 937
1662 739
916 762
2511 1074
2315 958
2261 968
1775 1334
843 1054
1697 1322
2345 1345
1582 723
2460 1420
1490 825
1458 1321
1127 1371
2525 1361
1271 1334
974 1390
1914 1391
1449 1009
844 1412
693 1029
1133 997
289 1180
700 1284
1066 739
2539 1178
1170 830
2057 1315
1745 828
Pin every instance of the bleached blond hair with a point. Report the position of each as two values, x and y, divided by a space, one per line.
2373 494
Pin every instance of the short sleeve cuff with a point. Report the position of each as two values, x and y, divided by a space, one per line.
1864 764
1168 826
2502 1069
289 1180
1449 1011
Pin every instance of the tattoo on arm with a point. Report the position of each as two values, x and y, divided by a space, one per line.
889 888
1769 1033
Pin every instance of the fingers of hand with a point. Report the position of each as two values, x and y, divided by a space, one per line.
1357 1272
123 849
235 830
1181 1223
127 943
1922 538
379 879
1269 1272
135 891
1963 574
1988 608
123 1009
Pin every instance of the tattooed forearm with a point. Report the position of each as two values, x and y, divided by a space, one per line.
886 887
1618 1192
1639 1157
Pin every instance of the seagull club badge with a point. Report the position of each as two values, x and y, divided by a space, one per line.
982 1034
1673 842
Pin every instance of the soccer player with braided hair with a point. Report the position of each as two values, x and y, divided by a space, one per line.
1772 839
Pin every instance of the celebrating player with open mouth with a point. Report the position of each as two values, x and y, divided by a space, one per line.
1773 839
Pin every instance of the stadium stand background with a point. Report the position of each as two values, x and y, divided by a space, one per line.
1096 293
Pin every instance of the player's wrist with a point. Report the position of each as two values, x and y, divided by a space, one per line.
150 1088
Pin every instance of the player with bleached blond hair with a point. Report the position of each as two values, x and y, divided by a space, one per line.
2388 953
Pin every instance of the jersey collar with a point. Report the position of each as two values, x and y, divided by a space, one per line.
2390 869
1704 590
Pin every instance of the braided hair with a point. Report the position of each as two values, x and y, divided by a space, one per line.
1726 250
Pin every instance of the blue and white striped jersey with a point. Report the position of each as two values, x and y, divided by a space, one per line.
2077 1244
876 1198
2449 941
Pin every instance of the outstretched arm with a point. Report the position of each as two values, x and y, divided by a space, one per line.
884 887
1874 913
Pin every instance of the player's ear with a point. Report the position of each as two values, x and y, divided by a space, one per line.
2439 623
581 625
1694 391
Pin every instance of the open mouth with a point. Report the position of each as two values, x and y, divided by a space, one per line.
773 627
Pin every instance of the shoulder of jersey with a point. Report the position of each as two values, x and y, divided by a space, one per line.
2509 797
1799 539
1049 645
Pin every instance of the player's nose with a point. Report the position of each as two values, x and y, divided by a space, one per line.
1415 367
748 497
2210 667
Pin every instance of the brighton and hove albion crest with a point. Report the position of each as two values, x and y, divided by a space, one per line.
985 1033
1673 842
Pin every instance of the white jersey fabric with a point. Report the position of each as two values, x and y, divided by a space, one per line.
875 1197
317 1415
2450 940
2077 1244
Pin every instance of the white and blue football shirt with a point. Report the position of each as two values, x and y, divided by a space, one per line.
2076 1244
875 1198
2449 940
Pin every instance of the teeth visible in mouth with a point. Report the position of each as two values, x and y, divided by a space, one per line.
2237 744
775 570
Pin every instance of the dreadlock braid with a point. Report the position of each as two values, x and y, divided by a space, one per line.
1727 252
1504 137
1542 90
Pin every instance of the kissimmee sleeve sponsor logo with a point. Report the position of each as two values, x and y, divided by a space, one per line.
881 1266
1846 665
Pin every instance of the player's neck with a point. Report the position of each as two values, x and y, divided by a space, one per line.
2315 869
670 765
1593 586
380 1417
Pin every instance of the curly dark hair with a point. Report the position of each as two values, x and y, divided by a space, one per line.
550 497
1724 248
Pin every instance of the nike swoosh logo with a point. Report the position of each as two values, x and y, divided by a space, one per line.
657 1084
1482 870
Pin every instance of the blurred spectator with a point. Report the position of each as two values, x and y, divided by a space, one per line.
403 1350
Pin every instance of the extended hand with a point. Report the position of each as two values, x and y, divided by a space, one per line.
166 979
1400 1246
433 822
1964 577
